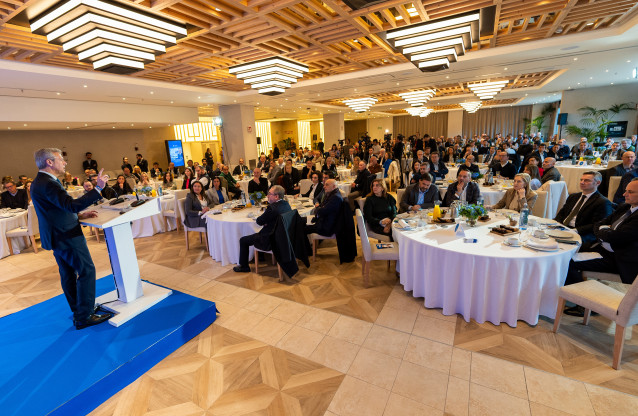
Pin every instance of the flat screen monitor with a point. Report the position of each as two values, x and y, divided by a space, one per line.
175 152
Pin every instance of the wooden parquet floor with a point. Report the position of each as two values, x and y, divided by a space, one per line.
325 285
223 373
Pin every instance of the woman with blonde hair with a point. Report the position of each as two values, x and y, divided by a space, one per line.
516 197
380 208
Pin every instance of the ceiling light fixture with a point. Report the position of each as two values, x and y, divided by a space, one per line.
487 90
360 105
417 98
471 106
434 44
113 37
419 111
270 76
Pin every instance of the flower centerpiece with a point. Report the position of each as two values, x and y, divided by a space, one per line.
256 197
145 190
472 212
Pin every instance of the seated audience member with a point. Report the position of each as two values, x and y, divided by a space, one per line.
491 156
554 152
197 202
173 169
241 168
308 169
628 159
550 173
261 240
274 173
122 187
168 181
516 197
355 166
437 167
420 195
217 193
420 157
582 150
14 197
156 172
535 177
232 183
315 187
450 155
535 161
413 175
320 196
87 185
145 180
128 175
462 190
471 166
583 209
137 173
385 161
360 186
616 243
257 183
373 165
380 208
329 165
290 180
69 180
327 211
503 167
125 165
264 165
613 153
27 187
619 196
22 180
202 176
189 178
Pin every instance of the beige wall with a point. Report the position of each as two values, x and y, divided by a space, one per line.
354 129
377 127
281 130
601 97
108 148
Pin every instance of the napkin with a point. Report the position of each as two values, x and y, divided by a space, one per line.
403 224
584 256
542 244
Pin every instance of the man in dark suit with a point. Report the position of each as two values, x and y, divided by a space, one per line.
327 211
628 159
619 196
437 168
617 243
142 163
258 183
419 195
360 187
463 189
13 197
61 232
276 206
524 149
503 167
550 173
89 163
490 156
241 168
583 209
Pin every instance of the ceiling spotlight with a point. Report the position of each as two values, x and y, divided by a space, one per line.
432 45
472 106
420 111
360 105
634 73
270 76
113 37
487 90
417 98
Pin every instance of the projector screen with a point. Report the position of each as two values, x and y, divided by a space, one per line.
175 152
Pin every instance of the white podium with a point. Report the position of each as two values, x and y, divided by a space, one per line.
131 296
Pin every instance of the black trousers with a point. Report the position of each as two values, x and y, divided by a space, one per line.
77 276
607 265
244 247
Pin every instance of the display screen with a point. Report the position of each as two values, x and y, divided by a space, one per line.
175 152
617 129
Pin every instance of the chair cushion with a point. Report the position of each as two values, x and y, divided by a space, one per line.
315 236
380 237
612 277
197 230
18 232
591 294
169 213
385 253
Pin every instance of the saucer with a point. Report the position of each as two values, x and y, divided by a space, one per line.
512 245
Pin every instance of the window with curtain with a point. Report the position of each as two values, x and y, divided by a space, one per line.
435 125
504 120
303 134
263 131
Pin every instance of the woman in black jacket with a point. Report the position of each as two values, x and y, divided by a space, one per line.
316 187
122 187
290 180
380 208
189 178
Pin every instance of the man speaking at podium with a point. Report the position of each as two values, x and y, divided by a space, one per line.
61 232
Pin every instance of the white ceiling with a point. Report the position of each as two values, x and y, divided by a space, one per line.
588 60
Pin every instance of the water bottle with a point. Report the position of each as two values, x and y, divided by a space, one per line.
243 197
522 222
159 190
480 201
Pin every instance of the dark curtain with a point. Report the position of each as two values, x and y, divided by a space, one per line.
435 125
504 120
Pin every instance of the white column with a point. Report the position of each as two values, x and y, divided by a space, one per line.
455 123
239 138
333 129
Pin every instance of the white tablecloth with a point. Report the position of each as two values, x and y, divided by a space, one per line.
149 226
345 187
484 281
344 173
490 195
8 224
75 192
572 174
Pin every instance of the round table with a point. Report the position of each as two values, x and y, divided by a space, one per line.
491 194
453 170
345 187
10 220
572 173
151 225
344 173
484 281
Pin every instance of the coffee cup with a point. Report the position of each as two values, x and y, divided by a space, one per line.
540 234
512 241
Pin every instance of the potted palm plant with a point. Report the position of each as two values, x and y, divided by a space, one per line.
595 121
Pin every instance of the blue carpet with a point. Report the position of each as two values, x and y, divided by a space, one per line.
49 367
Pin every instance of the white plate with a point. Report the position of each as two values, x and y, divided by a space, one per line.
566 235
540 249
505 243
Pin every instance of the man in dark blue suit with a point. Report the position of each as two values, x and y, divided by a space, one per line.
326 212
61 232
276 206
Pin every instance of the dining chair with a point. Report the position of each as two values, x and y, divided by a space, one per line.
171 213
400 193
540 206
29 232
274 261
371 252
200 230
614 183
372 234
620 308
179 194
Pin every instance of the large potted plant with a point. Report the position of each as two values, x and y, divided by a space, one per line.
595 121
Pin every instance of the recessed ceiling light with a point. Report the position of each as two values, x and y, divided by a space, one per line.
25 124
57 93
85 125
85 86
8 128
171 102
578 83
150 127
575 59
199 98
132 124
124 98
505 69
113 126
152 93
612 83
591 77
606 70
68 127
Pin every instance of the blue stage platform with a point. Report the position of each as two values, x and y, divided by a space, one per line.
49 367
